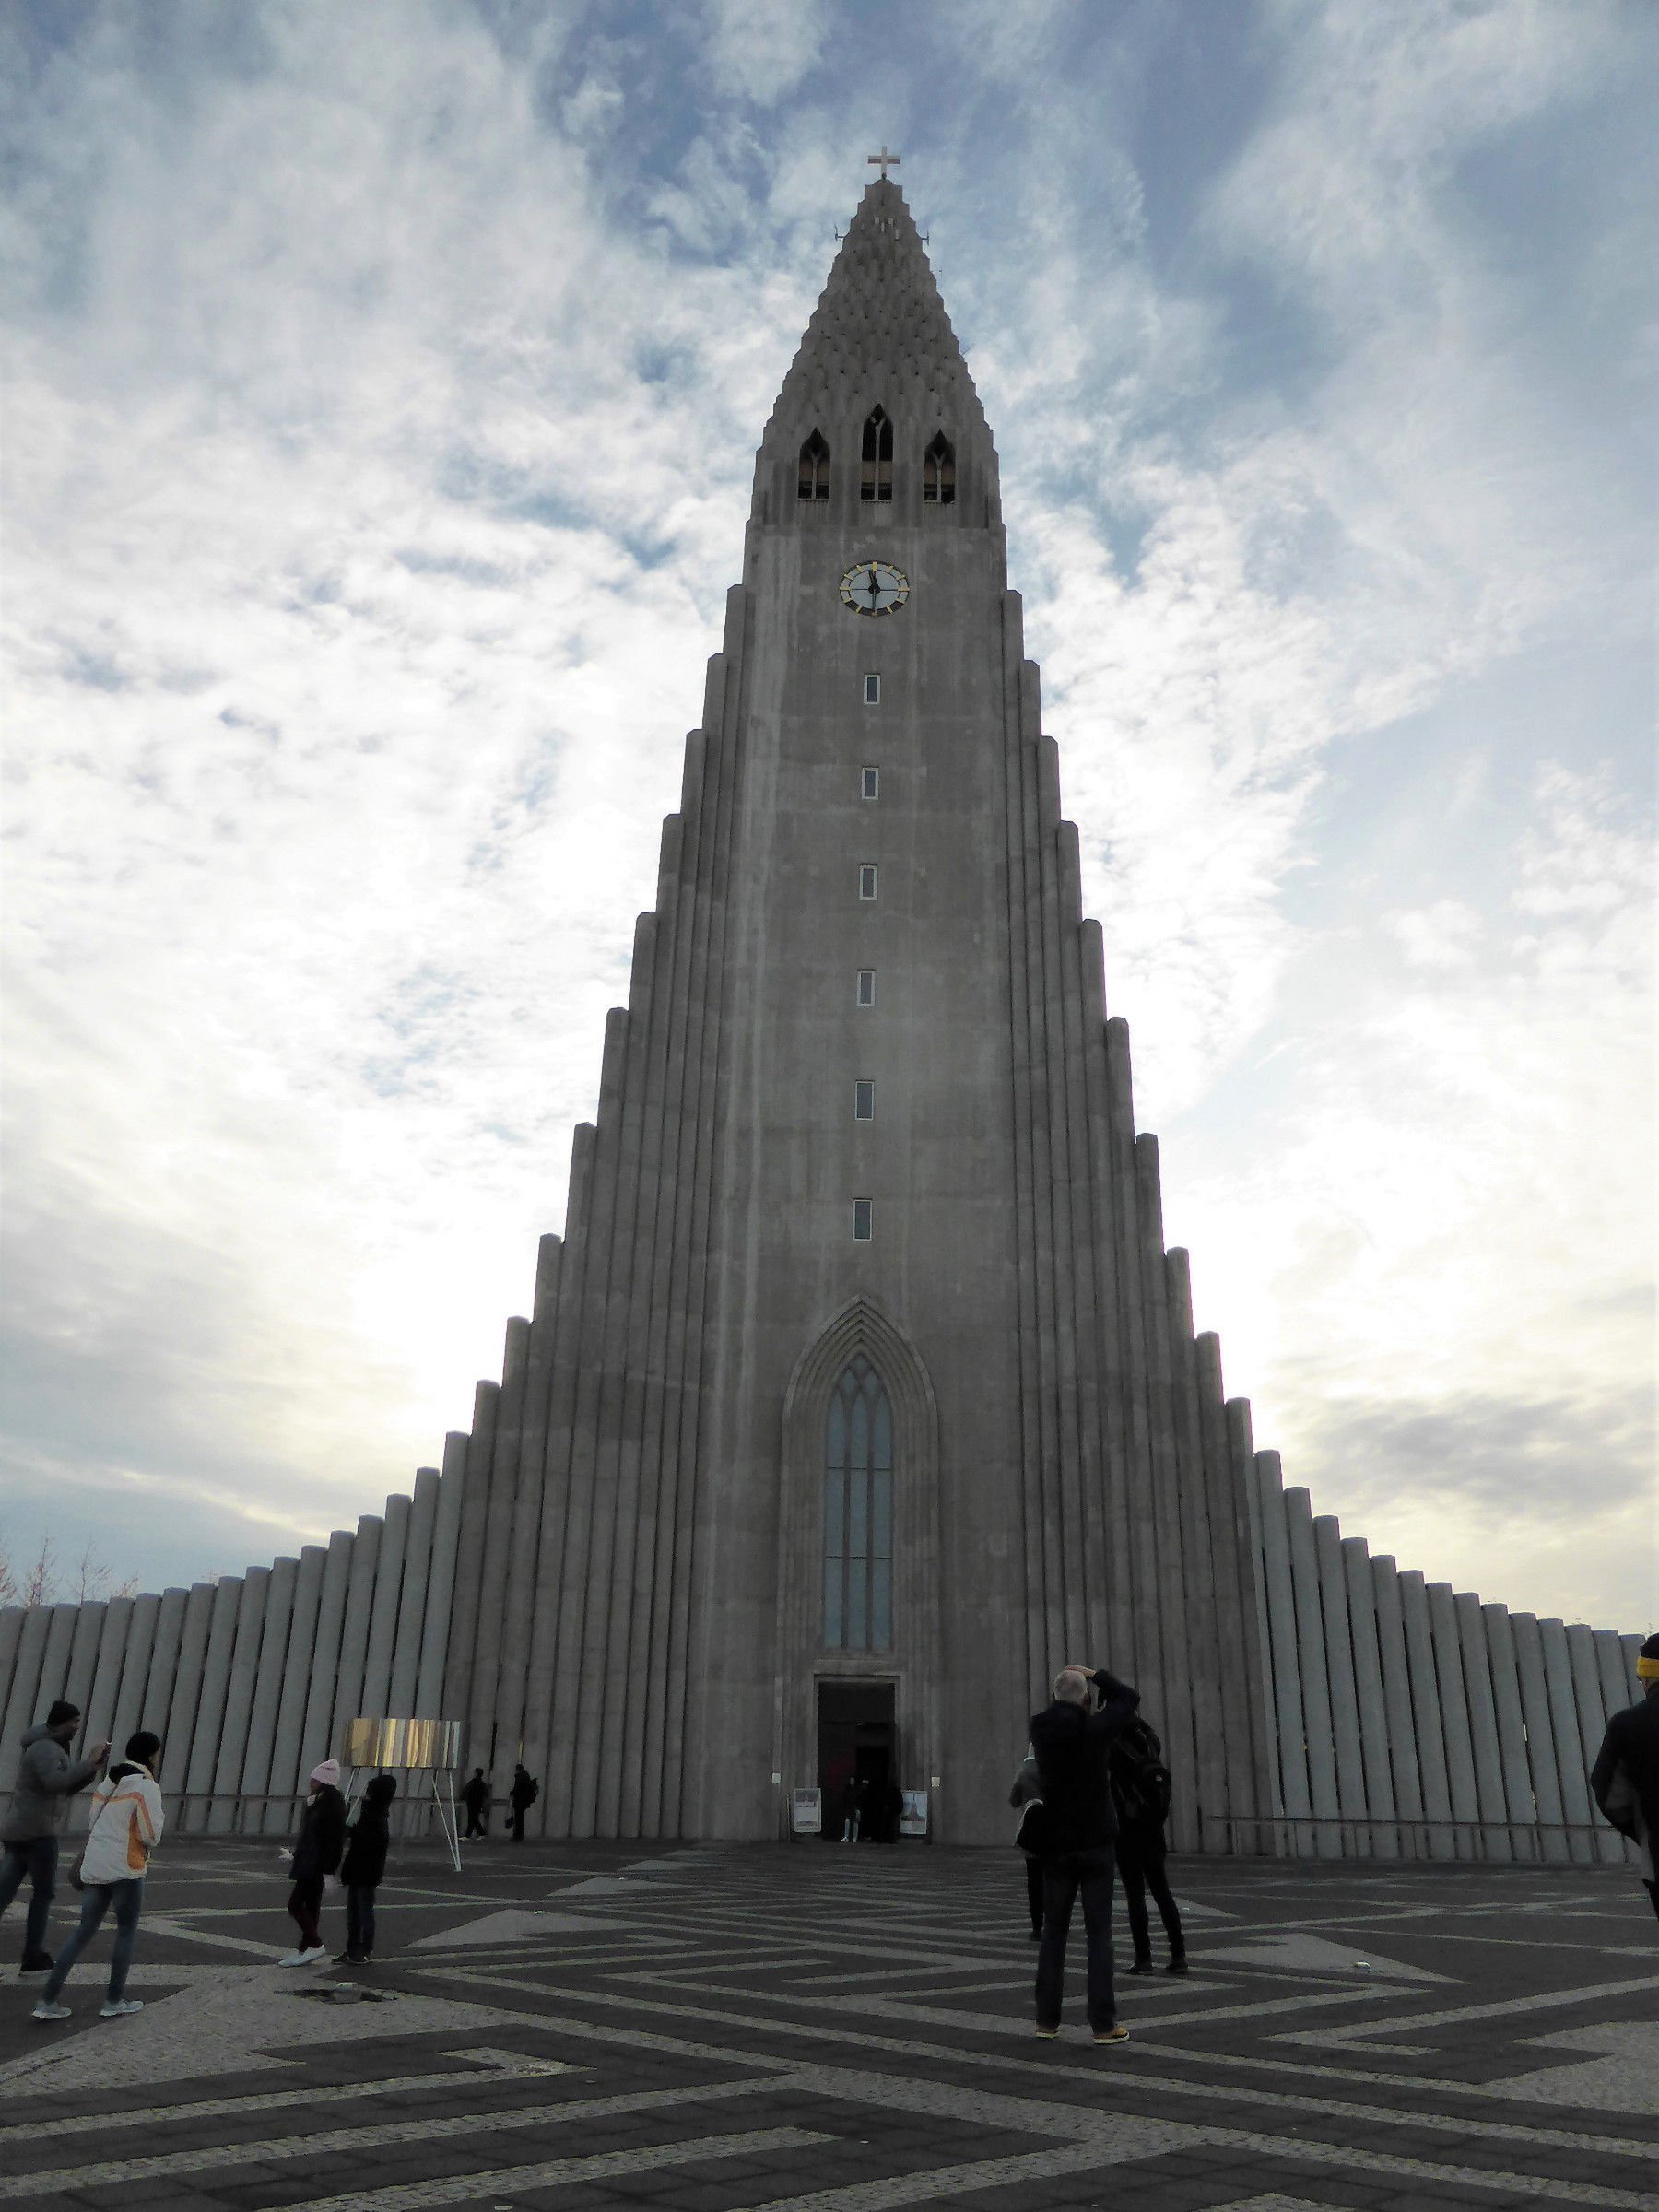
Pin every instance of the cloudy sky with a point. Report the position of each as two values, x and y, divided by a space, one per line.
384 386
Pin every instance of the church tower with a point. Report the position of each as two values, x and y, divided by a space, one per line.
861 1394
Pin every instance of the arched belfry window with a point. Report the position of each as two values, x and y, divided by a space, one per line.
939 470
814 468
858 1513
875 479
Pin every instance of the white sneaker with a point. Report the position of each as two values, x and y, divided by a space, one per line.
44 2011
295 1958
117 2008
315 1958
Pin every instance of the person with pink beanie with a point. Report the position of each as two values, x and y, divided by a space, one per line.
316 1854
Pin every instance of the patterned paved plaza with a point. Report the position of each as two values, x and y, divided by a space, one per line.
822 2026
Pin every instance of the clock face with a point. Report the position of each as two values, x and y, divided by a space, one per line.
874 587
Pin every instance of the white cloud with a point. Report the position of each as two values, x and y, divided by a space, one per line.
382 419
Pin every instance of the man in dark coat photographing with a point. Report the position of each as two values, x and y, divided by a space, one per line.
1625 1779
1072 1742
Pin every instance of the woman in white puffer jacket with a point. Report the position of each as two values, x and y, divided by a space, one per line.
126 1826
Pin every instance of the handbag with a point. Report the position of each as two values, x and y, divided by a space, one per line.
1035 1832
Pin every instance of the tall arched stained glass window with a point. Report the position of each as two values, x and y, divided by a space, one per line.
858 1513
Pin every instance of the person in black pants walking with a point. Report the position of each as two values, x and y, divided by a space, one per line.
1140 1791
367 1841
1072 1741
1625 1779
520 1799
475 1798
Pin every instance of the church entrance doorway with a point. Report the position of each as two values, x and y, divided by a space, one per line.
858 1760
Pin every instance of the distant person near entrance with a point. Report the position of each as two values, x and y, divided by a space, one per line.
850 1809
47 1779
1140 1797
475 1798
1073 1741
524 1794
1625 1777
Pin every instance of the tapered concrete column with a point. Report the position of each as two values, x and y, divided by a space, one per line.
11 1636
1540 1737
430 1686
1591 1725
1512 1732
226 1814
1339 1673
256 1778
469 1558
1573 1770
25 1682
1315 1681
1455 1717
1635 1688
210 1706
1427 1734
106 1675
411 1606
1265 1796
1610 1658
83 1655
1483 1727
382 1615
297 1668
1286 1669
164 1665
54 1661
1396 1705
1368 1688
315 1744
179 1735
135 1672
354 1632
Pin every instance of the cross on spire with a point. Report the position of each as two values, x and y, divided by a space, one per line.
882 159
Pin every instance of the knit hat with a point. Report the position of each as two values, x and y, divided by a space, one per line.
1647 1661
327 1772
61 1712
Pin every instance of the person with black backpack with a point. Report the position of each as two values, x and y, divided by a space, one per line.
524 1794
1140 1791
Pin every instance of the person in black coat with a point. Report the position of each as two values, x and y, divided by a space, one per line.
475 1798
524 1794
1625 1777
1072 1740
368 1840
315 1855
1140 1797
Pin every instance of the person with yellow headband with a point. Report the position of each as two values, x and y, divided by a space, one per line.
1625 1777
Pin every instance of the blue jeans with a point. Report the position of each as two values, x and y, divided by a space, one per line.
1063 1876
96 1899
36 1860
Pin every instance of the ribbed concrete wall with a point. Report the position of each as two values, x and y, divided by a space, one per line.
249 1680
1414 1721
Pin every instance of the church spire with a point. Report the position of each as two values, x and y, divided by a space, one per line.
879 338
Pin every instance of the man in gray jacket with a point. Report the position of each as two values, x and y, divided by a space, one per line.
47 1778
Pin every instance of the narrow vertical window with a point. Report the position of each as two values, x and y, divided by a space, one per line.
863 1219
866 987
872 690
864 1100
867 881
938 472
858 1513
814 480
875 471
869 783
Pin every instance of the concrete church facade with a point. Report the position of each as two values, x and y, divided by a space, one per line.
861 1392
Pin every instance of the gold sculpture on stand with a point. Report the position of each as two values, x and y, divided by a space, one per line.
412 1747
